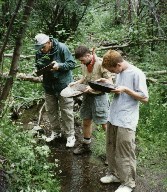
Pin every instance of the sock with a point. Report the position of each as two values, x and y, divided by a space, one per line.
87 140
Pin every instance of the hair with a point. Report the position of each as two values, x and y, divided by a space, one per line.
111 58
81 51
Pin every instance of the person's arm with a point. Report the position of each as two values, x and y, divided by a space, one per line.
107 75
77 82
40 61
120 89
134 94
110 79
66 55
104 80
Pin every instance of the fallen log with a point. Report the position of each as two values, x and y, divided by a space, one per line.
127 43
107 45
25 77
21 56
163 72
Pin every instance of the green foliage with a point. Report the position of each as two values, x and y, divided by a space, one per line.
58 18
102 25
99 144
26 94
152 126
27 160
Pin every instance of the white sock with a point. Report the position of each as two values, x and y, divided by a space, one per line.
87 141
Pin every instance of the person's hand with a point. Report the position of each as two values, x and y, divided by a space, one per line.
55 66
72 83
88 90
119 89
103 80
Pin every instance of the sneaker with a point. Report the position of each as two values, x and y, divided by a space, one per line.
109 179
106 162
124 188
82 148
38 129
70 141
52 137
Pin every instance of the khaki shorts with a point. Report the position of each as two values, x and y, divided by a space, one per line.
95 107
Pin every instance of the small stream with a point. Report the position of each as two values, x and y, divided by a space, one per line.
80 173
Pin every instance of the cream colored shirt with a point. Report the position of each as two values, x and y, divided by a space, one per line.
97 73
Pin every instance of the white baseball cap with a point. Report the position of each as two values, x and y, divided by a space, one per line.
41 39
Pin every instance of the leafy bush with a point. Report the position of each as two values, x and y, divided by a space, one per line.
27 160
99 144
151 132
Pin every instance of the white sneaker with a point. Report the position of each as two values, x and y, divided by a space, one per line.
109 179
123 188
52 137
70 141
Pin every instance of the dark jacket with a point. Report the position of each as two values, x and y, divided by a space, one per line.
55 81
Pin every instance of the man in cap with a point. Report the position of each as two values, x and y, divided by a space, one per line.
50 50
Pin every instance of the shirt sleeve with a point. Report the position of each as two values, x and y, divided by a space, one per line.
69 62
140 84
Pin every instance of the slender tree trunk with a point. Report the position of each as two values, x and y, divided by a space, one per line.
117 19
6 40
129 11
9 30
16 55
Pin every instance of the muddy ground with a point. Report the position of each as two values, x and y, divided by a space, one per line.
82 173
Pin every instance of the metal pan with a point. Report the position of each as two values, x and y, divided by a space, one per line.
74 90
100 86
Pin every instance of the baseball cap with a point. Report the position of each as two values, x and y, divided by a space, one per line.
41 39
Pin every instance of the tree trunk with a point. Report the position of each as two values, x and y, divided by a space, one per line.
129 11
9 30
16 55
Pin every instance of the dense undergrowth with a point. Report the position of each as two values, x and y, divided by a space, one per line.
27 165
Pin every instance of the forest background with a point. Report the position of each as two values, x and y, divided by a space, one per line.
136 28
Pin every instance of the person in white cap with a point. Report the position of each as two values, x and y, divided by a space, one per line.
59 109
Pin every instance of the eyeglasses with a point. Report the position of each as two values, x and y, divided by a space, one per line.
44 46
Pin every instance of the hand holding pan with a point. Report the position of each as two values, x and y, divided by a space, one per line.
101 86
44 69
73 90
